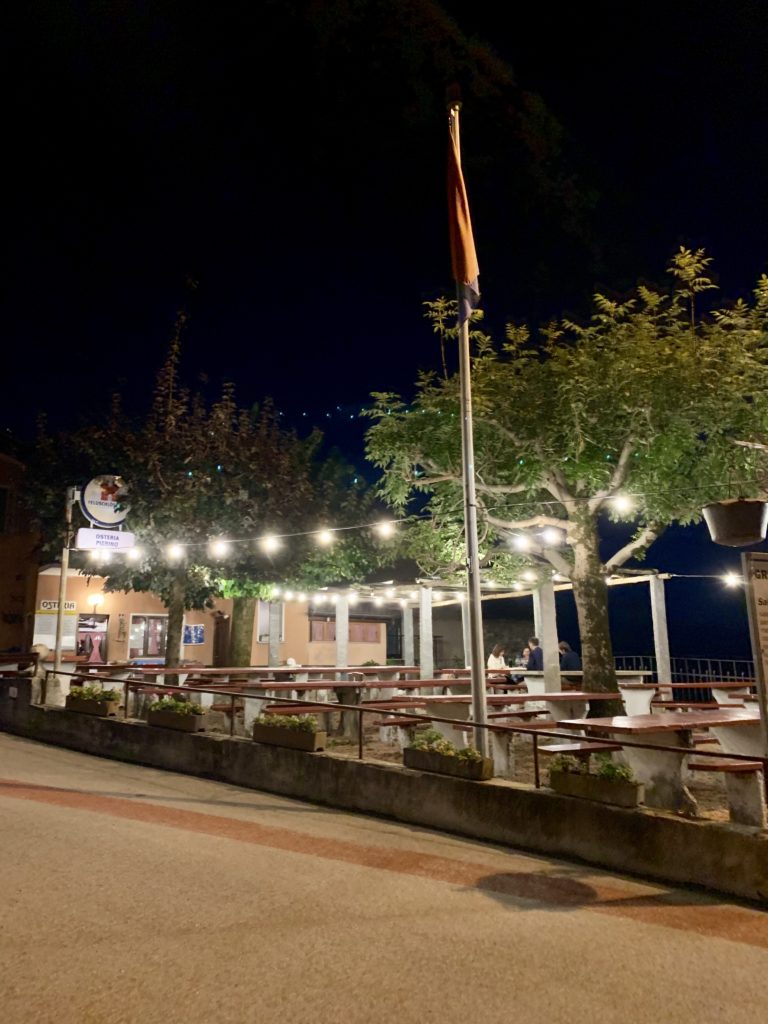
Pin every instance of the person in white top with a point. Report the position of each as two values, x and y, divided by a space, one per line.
496 657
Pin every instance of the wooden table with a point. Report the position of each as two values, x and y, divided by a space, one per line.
661 771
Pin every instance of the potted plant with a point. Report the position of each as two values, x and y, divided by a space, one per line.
92 699
611 782
432 752
298 732
737 522
176 713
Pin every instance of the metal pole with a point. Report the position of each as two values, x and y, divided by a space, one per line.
57 656
477 661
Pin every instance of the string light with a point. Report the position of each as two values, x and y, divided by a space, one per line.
276 591
301 597
622 503
269 543
385 529
325 537
389 592
517 586
220 548
352 597
175 552
552 537
319 598
732 579
378 601
437 595
530 576
134 554
289 595
521 542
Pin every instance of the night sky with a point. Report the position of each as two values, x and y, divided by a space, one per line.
277 168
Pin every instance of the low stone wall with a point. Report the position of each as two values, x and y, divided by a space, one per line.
726 858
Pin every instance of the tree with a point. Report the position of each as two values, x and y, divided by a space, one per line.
631 417
198 475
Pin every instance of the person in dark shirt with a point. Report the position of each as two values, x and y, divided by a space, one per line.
569 659
536 655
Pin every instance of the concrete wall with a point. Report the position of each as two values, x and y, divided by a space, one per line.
726 858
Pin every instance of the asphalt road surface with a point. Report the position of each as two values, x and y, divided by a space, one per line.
133 896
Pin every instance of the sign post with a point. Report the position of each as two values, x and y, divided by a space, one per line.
755 568
72 496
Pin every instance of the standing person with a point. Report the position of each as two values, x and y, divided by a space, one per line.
536 656
569 659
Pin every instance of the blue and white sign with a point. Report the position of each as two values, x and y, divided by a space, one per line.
103 500
194 634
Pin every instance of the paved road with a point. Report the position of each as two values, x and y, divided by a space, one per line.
134 896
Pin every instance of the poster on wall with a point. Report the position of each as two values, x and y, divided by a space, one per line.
194 634
755 569
45 625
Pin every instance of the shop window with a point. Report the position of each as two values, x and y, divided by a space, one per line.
147 636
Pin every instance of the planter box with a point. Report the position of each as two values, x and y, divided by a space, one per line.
591 787
102 708
294 739
172 720
443 764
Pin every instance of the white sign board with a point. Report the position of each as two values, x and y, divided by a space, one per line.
755 569
45 628
104 500
104 540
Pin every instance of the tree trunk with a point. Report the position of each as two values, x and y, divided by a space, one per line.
175 626
241 631
590 592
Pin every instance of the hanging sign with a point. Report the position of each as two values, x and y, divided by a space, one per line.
104 540
103 500
755 568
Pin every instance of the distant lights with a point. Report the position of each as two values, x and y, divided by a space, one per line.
319 598
269 543
414 595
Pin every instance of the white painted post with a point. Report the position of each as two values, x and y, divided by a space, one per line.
342 631
466 634
660 633
408 648
544 612
275 626
426 649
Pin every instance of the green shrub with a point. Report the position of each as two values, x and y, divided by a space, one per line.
433 741
304 723
612 770
93 691
568 763
179 706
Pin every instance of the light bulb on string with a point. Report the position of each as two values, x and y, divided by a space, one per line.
378 601
437 595
389 593
175 552
352 597
324 537
276 591
269 543
732 579
530 576
134 554
319 599
385 529
301 597
552 537
521 542
219 548
622 503
517 585
289 595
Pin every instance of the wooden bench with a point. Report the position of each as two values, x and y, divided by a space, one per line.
399 729
744 787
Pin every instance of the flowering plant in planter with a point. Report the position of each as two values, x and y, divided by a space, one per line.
178 705
93 692
432 752
306 723
610 783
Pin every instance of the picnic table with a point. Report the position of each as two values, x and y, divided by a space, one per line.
738 731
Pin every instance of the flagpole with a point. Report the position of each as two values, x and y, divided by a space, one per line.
477 647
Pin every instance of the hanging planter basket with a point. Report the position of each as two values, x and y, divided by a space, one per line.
737 522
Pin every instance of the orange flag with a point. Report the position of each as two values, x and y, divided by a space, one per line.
463 255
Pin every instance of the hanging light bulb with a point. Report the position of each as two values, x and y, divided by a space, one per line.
521 542
289 595
530 576
437 595
622 503
552 537
378 601
732 579
319 598
269 543
385 529
414 595
389 592
301 597
134 554
219 548
324 537
352 597
175 552
334 598
517 586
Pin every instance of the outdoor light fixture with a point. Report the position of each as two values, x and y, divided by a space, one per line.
319 598
385 529
134 554
325 537
269 543
289 595
95 600
301 597
530 576
517 586
414 595
276 591
622 503
521 542
460 594
175 552
389 592
219 548
731 579
437 595
552 537
352 597
378 601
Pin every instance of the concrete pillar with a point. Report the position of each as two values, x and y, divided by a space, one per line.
546 629
342 630
426 647
275 627
465 632
660 634
408 651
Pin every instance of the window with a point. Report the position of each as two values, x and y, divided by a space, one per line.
324 630
262 622
147 636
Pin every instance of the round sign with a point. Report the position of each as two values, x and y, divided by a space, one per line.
103 500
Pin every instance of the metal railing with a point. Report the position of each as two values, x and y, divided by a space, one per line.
691 669
370 709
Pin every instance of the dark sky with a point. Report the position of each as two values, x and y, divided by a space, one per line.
288 158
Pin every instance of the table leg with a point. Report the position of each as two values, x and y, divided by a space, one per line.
661 771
